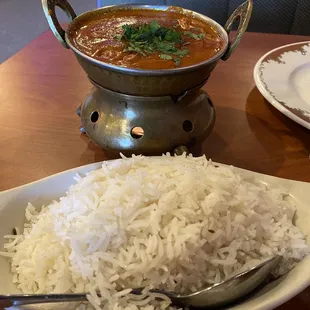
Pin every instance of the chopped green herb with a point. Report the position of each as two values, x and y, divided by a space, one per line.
195 36
146 33
181 53
177 61
150 38
118 37
165 56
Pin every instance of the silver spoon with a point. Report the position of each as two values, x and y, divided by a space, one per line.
215 295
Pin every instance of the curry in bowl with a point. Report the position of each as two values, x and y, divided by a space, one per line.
147 39
147 50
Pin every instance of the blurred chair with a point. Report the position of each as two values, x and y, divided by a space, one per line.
275 16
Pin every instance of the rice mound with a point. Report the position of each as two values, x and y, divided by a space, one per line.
177 223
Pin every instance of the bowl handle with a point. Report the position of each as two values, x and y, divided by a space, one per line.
50 14
242 14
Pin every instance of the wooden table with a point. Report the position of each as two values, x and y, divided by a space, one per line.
42 85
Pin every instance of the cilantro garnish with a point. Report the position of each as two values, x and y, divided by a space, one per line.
165 56
194 35
152 37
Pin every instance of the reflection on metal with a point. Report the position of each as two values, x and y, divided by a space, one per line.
130 114
124 143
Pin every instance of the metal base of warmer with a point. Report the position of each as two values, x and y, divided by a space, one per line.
146 125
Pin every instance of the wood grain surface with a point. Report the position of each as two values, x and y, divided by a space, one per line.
42 85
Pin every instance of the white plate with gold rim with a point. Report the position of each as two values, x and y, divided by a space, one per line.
12 212
283 78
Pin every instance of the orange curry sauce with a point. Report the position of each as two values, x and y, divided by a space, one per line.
97 38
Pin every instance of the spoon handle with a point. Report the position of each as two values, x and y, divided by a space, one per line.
18 300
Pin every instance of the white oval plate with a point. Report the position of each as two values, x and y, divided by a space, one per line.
12 212
283 78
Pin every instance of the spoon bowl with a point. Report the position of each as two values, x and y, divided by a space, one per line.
227 291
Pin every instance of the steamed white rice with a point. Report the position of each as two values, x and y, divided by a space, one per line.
177 223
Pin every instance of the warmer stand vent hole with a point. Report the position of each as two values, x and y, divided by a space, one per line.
137 132
94 116
188 126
